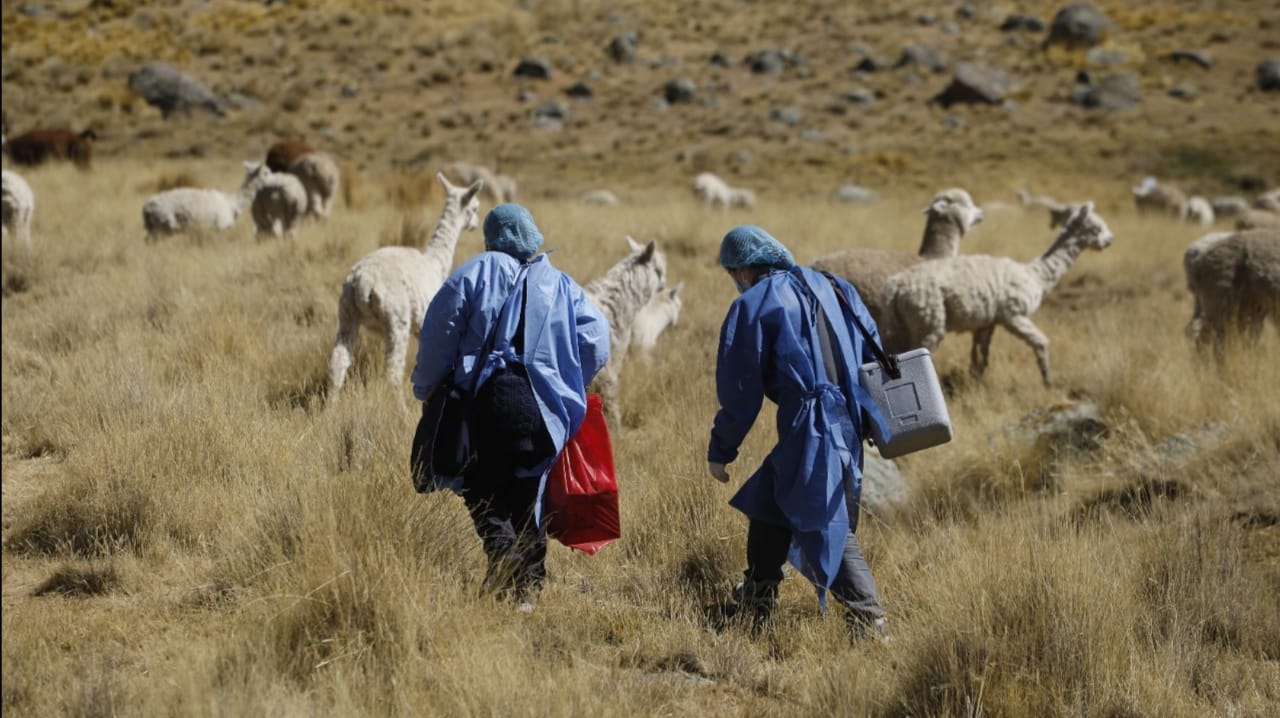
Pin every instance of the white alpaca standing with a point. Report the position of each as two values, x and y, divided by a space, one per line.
18 204
468 172
1234 278
188 208
320 177
653 318
712 190
977 293
950 216
742 197
1059 212
1153 197
602 197
1200 211
390 288
279 204
620 293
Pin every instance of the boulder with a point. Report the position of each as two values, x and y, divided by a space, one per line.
1269 74
1079 25
1114 92
622 48
166 88
883 487
534 68
975 84
681 89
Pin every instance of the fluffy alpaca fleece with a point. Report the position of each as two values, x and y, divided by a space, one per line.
977 293
1153 197
1234 278
390 288
279 205
653 318
620 294
189 208
17 203
320 178
950 216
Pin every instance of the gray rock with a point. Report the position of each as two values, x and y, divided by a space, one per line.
170 91
860 97
975 84
1195 57
579 91
1079 25
554 109
1184 91
788 116
1113 92
1106 56
534 68
681 89
1269 74
719 59
622 48
242 101
350 89
1068 428
883 487
854 194
966 11
871 63
1027 23
767 62
922 56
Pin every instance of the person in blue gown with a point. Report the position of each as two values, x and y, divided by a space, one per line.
788 337
546 341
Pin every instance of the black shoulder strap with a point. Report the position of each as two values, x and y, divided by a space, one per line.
888 362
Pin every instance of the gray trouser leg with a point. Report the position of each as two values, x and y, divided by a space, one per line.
854 588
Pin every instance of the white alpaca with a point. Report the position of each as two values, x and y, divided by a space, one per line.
279 204
1059 212
602 197
320 177
742 197
18 204
390 288
620 293
189 208
712 190
469 172
1152 197
1234 278
653 318
977 293
950 216
1200 211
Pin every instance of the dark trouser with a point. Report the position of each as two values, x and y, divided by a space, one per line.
510 440
853 587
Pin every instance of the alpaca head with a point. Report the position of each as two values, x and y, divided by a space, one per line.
1144 188
466 199
955 204
256 174
1089 228
669 299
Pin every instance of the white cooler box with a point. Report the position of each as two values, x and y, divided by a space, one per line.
912 404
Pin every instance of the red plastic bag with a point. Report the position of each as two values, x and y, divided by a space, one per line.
581 500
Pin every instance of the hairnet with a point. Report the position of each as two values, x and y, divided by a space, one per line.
750 246
509 228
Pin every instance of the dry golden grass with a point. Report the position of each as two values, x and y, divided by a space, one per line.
232 547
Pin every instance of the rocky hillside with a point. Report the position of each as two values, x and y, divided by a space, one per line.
794 97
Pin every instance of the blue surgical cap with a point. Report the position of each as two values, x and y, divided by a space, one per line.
509 228
749 246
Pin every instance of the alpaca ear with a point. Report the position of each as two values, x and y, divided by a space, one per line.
676 289
938 205
633 244
649 249
472 191
1083 212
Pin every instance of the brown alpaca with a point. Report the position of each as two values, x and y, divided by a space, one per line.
34 147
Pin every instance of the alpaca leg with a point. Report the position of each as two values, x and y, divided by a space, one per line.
1024 329
397 348
340 359
980 352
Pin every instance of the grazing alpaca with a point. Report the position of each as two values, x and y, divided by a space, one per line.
285 153
977 293
390 288
34 147
1152 197
18 203
278 205
653 318
1235 280
320 178
185 209
620 294
951 215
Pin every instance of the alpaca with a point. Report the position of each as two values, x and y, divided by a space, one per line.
712 190
34 147
1258 219
320 178
602 197
742 197
1152 197
468 172
1200 211
278 205
284 153
189 208
653 318
976 293
950 216
390 288
18 203
620 293
1234 278
1059 212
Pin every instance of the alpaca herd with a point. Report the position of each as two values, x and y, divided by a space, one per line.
915 298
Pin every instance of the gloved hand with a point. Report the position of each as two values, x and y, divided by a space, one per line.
718 472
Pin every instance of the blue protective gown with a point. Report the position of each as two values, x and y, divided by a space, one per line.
769 347
566 338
